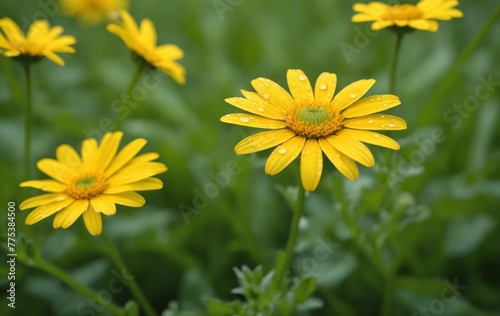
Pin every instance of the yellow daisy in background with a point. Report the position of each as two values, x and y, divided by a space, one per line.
93 11
41 41
309 122
93 183
421 16
142 41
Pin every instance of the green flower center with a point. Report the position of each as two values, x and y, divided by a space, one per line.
314 115
86 183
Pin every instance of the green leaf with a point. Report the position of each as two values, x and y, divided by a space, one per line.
304 288
219 308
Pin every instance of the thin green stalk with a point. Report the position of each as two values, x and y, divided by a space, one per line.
292 239
27 124
134 287
395 57
75 285
137 75
451 77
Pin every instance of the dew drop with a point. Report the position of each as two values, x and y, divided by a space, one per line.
44 189
353 95
281 151
266 95
323 86
266 84
244 119
260 109
370 121
383 125
391 125
338 156
372 99
376 135
385 105
302 77
379 98
382 116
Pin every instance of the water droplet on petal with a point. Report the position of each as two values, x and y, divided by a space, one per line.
372 99
260 109
266 95
302 77
244 119
370 121
353 95
323 86
385 105
266 84
391 125
382 116
338 156
383 125
379 98
376 135
281 150
44 189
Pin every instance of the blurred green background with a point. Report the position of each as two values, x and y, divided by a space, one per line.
402 230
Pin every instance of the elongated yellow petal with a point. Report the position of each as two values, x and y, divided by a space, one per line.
325 88
125 155
103 204
56 170
311 164
70 214
131 199
370 137
89 153
261 108
93 221
250 120
376 122
353 149
344 164
280 111
45 185
68 156
284 154
426 25
300 87
170 51
351 94
370 105
273 93
46 210
142 185
42 199
12 30
143 158
148 33
107 150
263 141
135 173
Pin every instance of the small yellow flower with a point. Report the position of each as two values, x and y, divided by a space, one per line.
309 122
93 11
41 41
142 41
422 16
93 183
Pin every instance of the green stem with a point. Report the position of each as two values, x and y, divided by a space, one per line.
78 287
134 287
292 239
394 64
137 75
27 124
451 77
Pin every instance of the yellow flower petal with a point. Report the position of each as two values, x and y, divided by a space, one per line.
125 155
148 33
311 164
70 214
107 150
142 185
135 173
278 112
376 122
325 88
42 199
344 164
89 153
353 149
104 205
426 25
56 170
273 93
284 154
66 155
370 105
170 51
351 94
370 137
252 121
262 108
11 30
45 185
143 158
131 199
44 211
262 141
300 87
93 221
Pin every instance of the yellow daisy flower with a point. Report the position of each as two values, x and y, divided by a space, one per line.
142 41
421 16
91 184
41 41
309 122
93 11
